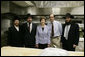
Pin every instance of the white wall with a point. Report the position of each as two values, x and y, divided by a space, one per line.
56 10
78 10
39 11
17 9
32 10
5 24
5 7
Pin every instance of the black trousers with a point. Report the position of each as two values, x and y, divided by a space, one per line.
68 46
30 46
43 46
15 45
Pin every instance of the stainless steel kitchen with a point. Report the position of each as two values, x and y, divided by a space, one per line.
39 28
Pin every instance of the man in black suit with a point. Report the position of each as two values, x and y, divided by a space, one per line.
70 35
29 32
14 34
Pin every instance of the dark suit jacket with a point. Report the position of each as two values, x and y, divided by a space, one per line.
29 38
14 37
73 35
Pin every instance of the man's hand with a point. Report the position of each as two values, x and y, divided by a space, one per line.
48 45
36 45
74 46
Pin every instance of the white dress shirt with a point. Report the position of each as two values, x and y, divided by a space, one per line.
17 28
66 31
57 28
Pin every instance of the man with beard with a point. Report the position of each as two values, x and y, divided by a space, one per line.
14 34
70 35
29 32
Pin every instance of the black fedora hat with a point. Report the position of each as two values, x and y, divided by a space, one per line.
68 15
15 18
28 15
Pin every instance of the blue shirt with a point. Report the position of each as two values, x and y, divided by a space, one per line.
42 36
57 28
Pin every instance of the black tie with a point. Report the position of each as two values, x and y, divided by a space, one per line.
52 34
42 29
29 27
